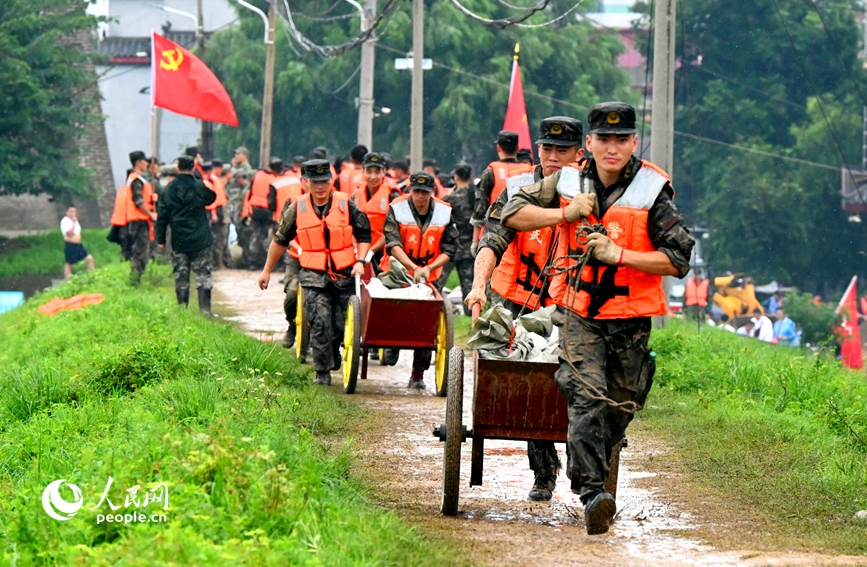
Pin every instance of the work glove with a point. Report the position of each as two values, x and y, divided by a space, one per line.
581 205
604 249
421 274
474 248
476 295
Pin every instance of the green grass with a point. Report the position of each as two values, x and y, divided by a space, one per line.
257 460
43 254
778 431
463 326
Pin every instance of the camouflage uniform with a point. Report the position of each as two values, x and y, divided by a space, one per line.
138 237
483 193
235 194
461 200
611 354
199 263
290 300
544 461
325 300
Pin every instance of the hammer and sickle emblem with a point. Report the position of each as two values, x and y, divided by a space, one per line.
173 59
613 118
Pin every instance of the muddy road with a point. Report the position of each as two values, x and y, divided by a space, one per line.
497 524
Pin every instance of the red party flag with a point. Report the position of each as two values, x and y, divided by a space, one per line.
183 84
850 335
516 111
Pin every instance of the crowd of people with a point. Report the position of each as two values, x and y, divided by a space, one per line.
590 235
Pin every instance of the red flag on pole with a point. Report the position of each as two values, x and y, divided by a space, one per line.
180 82
516 111
850 335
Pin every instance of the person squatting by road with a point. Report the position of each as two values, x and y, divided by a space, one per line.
606 368
182 207
419 234
514 263
324 222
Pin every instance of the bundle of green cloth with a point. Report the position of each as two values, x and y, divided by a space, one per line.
534 338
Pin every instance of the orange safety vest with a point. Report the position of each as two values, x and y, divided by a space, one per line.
611 292
218 187
133 213
376 208
258 194
351 179
288 187
338 252
502 171
118 215
696 294
518 276
421 247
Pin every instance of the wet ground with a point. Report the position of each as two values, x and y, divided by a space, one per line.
496 524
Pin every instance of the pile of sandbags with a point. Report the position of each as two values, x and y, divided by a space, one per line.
533 338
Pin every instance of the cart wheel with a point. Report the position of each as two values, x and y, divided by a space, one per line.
382 361
445 339
351 345
302 330
454 433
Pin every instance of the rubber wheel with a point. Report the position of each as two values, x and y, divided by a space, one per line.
382 357
302 330
351 345
445 340
454 433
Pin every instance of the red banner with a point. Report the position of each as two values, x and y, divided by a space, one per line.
182 83
516 111
848 332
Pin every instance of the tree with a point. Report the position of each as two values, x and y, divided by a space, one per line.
464 103
45 98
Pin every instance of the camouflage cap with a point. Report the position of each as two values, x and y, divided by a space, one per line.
242 150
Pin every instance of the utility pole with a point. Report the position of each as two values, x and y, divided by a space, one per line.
207 149
416 151
268 94
365 90
864 122
662 125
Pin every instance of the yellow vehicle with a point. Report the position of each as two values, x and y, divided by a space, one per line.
736 297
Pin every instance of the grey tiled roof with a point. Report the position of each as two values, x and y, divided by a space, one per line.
128 47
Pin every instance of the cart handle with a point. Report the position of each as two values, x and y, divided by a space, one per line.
476 311
358 285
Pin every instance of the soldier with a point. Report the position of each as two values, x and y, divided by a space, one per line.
285 191
419 234
521 259
140 217
258 214
236 190
183 208
462 201
328 260
493 180
219 226
373 198
352 176
400 174
606 368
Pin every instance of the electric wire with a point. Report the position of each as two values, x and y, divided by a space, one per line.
553 21
501 23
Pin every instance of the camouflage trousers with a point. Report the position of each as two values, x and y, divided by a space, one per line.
290 300
244 231
325 309
138 234
260 240
219 249
465 275
612 356
197 262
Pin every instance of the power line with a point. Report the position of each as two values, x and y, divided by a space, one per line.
501 23
555 20
744 85
756 151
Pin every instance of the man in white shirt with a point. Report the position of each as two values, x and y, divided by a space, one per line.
73 249
764 329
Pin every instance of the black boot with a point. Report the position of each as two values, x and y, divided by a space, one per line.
289 339
205 301
183 296
543 489
599 513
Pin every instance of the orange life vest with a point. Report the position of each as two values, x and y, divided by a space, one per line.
376 208
351 179
218 187
611 292
502 171
133 213
696 294
338 252
118 215
518 276
421 247
288 188
258 194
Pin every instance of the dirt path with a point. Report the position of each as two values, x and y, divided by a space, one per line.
497 525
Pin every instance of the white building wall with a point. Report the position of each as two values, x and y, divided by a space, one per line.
135 18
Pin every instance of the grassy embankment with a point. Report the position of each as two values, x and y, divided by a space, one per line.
778 434
42 254
255 458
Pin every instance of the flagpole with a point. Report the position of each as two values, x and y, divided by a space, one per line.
514 64
153 98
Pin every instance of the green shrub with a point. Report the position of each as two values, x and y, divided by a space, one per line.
816 321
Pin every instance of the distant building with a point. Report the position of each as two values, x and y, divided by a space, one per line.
618 15
125 82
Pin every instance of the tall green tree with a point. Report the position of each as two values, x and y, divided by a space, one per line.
46 97
465 93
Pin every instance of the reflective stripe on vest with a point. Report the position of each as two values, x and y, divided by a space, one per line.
422 248
336 252
612 292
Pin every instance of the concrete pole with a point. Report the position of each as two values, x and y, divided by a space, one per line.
416 151
268 94
365 89
207 149
662 124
